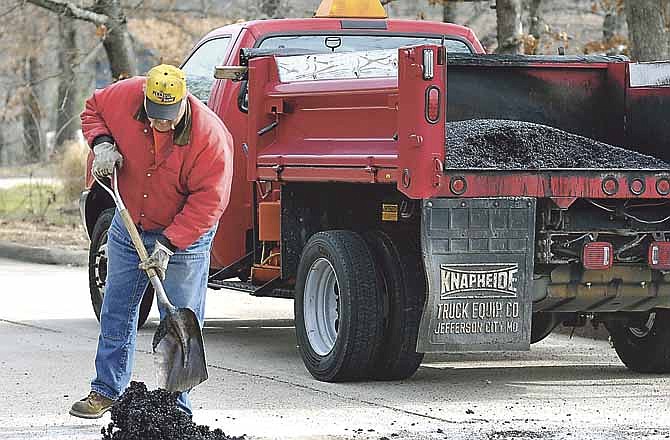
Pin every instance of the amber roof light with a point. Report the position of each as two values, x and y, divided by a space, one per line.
351 9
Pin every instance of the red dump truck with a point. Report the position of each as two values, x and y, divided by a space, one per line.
394 243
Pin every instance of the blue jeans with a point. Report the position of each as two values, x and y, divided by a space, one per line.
185 284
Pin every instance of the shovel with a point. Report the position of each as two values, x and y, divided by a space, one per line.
177 343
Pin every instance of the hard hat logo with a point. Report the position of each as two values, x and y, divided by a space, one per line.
165 98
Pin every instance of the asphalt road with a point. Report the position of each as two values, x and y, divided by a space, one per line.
562 389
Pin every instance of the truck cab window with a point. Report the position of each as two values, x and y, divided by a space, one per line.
354 43
199 67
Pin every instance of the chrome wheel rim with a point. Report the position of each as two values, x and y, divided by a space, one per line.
321 306
100 266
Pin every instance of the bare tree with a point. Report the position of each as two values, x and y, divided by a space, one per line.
510 29
270 7
111 21
534 18
68 103
647 29
448 11
31 117
613 21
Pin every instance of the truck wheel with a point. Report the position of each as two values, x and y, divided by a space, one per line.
97 268
542 324
338 307
644 349
404 284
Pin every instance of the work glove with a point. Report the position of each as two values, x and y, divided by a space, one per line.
159 258
106 157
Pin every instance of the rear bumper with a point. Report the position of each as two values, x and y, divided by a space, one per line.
619 289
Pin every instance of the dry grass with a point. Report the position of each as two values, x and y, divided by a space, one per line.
30 233
72 169
36 170
38 215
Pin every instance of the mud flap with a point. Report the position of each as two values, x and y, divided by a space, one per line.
478 255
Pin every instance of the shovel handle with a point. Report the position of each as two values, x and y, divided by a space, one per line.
135 237
161 296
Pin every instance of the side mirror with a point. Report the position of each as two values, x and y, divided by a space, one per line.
233 73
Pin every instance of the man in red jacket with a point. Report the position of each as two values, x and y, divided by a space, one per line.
175 162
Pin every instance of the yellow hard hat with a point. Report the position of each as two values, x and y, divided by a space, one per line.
166 88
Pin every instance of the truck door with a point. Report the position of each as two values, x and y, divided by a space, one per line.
199 69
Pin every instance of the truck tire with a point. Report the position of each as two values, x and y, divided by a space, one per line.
542 324
400 269
645 349
97 268
338 307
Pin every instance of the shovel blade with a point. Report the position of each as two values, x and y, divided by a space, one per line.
179 352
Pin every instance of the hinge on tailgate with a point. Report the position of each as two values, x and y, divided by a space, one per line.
370 168
438 170
373 173
278 169
415 140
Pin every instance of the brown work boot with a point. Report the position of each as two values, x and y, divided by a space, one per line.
91 407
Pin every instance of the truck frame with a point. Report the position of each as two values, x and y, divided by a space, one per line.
344 201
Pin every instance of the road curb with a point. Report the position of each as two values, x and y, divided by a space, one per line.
42 255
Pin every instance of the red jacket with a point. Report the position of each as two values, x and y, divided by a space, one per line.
184 187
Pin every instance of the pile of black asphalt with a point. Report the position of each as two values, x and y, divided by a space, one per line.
153 415
508 145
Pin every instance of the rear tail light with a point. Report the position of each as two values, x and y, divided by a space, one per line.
433 104
637 186
610 185
659 255
457 185
597 255
663 186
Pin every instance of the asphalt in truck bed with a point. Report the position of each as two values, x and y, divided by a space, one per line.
502 144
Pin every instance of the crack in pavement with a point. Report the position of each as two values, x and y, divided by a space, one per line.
281 381
349 398
24 324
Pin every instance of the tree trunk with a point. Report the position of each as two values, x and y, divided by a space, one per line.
68 96
270 7
117 43
646 29
534 18
609 25
449 12
31 117
108 14
3 160
613 22
510 29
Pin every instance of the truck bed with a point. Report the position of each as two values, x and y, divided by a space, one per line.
514 127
